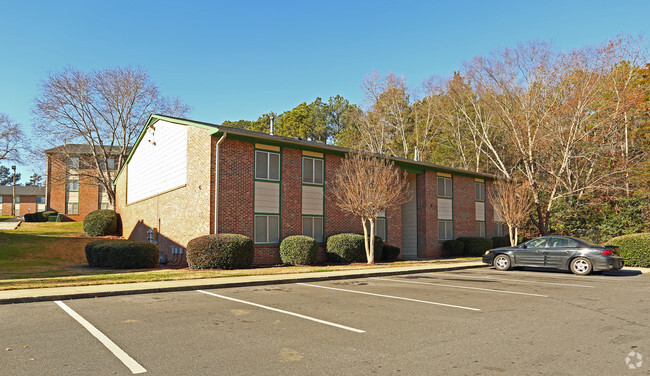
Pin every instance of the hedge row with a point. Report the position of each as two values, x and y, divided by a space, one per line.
351 248
122 254
298 250
39 216
634 248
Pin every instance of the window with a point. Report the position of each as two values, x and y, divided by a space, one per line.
537 243
111 164
39 199
498 229
480 229
17 199
380 228
312 170
103 198
444 187
73 185
72 163
267 229
445 230
72 208
0 199
563 243
480 191
267 165
313 226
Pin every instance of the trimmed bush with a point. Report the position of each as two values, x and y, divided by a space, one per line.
299 250
29 217
453 248
220 251
351 248
390 252
46 214
500 241
100 222
122 254
634 248
475 246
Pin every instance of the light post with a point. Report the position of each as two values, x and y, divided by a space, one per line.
13 197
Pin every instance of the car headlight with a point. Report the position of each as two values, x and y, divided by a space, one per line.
487 252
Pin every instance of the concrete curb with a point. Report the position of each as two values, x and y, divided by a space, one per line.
41 295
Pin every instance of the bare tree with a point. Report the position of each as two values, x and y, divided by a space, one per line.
367 185
11 138
103 109
512 201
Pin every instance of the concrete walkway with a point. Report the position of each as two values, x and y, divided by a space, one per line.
79 292
10 224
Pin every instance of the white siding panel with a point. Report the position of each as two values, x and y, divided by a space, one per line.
312 200
267 197
159 164
410 223
445 209
480 211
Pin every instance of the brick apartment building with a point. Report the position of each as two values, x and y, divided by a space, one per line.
187 178
29 199
70 187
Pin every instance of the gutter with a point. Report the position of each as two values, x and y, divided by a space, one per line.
216 185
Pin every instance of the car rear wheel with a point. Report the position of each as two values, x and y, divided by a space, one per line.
581 266
502 262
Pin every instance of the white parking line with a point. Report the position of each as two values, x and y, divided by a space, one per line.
285 312
510 280
464 287
391 297
110 345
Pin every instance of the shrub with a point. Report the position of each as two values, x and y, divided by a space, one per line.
475 246
122 254
453 248
500 241
29 217
634 248
220 251
351 248
390 252
100 222
299 250
46 214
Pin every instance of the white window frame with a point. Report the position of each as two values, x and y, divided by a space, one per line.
266 240
480 225
480 195
443 236
312 179
268 165
444 180
312 227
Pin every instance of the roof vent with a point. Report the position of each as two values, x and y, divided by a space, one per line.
271 126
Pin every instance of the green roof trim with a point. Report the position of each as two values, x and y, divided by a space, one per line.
407 165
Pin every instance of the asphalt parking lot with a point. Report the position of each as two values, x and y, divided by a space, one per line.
468 322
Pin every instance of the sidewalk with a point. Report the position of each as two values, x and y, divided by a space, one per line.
80 292
10 224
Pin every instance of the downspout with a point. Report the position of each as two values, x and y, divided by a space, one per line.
216 186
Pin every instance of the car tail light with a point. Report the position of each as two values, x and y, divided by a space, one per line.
607 252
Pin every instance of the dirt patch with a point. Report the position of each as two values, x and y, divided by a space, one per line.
69 249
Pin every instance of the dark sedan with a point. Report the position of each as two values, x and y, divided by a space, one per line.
561 252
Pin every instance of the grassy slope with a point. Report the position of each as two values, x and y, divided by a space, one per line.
52 254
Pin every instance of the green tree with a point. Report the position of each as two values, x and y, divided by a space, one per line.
6 176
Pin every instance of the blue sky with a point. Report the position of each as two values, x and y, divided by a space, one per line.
238 59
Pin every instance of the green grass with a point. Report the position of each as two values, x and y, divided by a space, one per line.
4 217
51 254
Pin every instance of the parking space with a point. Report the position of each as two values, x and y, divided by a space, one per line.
465 322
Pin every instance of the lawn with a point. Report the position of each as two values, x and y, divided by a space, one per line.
4 217
51 254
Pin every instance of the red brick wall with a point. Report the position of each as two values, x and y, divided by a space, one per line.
489 210
336 220
56 189
236 187
464 206
291 206
5 208
427 195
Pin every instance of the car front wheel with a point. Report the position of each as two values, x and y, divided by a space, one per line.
581 266
502 262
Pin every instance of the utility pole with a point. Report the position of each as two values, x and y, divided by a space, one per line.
13 197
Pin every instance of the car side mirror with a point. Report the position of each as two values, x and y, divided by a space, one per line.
523 246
